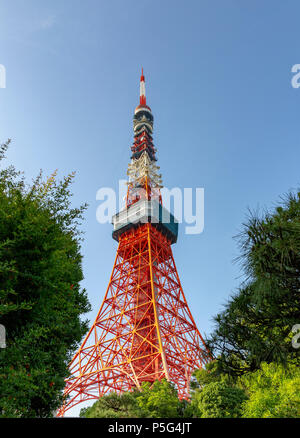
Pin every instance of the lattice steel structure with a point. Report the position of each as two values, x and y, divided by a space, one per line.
144 329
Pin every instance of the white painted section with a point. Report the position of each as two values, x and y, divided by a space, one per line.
143 108
142 88
140 213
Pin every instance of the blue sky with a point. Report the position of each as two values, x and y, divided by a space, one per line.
218 80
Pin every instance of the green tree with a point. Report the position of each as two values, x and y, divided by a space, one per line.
218 400
256 324
273 390
40 295
215 394
158 400
114 406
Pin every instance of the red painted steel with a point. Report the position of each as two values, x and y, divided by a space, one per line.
144 330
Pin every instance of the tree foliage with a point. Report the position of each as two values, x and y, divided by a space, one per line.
218 400
256 324
114 406
273 391
215 394
40 295
158 400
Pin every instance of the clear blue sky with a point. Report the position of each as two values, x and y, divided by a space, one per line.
218 78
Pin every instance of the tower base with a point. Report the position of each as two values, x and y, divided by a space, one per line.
144 330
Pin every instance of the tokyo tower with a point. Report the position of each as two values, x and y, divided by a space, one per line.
144 329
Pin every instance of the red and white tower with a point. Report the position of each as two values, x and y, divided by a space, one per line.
144 329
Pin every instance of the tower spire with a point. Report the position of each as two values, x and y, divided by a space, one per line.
142 89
